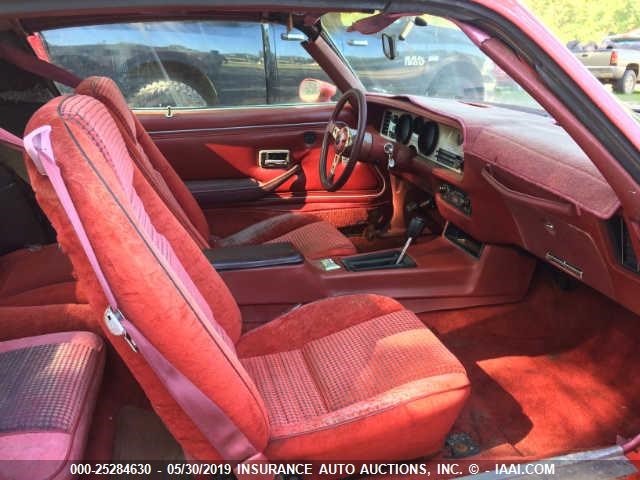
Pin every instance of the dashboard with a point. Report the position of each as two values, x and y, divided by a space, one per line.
507 177
431 141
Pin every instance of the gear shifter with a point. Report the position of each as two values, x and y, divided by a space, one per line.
415 228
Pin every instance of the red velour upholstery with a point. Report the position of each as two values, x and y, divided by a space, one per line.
27 321
149 159
54 294
375 384
48 390
37 276
161 175
353 377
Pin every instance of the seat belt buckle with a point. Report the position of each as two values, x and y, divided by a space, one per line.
113 320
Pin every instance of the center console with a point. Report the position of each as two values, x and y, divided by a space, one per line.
451 270
378 261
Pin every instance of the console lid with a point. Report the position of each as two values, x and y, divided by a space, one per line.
253 256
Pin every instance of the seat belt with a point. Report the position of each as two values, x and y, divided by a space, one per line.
10 140
220 430
29 63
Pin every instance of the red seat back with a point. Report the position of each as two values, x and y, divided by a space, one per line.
150 160
161 279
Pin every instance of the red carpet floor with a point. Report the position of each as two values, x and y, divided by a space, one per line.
549 375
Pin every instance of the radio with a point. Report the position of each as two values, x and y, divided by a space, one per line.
456 198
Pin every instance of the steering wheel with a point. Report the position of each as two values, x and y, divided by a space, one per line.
345 140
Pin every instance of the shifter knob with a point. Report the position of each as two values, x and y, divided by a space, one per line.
416 227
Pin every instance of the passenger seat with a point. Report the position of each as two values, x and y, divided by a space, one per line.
48 389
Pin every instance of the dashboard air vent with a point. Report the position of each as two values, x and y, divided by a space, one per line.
394 124
448 159
623 245
386 123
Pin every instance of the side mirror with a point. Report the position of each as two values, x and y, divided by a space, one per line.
389 46
312 90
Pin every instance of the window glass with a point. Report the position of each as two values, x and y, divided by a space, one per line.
293 64
174 63
434 59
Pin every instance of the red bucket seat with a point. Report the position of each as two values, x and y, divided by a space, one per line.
353 377
312 236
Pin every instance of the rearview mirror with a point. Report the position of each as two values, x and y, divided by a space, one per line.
389 46
312 90
293 37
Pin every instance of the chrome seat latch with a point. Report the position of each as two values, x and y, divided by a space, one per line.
113 320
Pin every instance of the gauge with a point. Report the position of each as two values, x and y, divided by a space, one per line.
428 138
403 128
418 122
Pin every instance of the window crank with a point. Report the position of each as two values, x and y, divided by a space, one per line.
388 149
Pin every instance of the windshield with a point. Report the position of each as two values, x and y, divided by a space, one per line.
435 59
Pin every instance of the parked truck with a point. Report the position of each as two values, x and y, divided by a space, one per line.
615 62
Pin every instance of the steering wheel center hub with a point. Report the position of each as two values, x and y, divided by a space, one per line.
343 139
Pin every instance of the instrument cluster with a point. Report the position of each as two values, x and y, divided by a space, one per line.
432 141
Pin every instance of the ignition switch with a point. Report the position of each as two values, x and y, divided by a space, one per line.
388 149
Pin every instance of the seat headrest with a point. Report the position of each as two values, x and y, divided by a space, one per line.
106 91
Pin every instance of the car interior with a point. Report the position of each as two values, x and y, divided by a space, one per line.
364 276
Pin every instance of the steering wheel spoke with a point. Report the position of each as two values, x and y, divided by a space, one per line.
333 129
336 160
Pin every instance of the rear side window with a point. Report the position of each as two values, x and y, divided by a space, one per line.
188 64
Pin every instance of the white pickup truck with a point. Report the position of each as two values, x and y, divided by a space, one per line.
616 63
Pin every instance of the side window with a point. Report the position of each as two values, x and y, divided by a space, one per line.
292 65
187 64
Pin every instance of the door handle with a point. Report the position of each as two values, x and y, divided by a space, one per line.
274 159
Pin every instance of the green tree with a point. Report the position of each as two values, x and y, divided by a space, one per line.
586 20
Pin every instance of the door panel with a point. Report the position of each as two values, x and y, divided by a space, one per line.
208 146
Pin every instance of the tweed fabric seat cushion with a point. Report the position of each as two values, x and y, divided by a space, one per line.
48 390
355 373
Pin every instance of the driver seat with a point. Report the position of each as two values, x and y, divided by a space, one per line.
312 236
